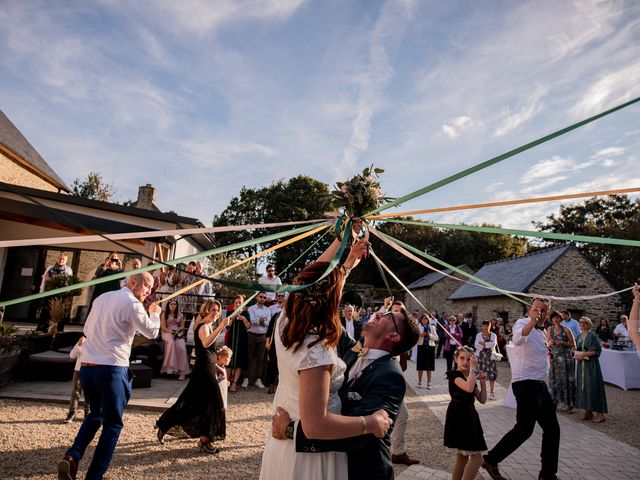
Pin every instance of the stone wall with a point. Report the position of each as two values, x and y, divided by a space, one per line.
15 174
573 275
490 307
436 296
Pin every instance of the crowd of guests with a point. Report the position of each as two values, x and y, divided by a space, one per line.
340 389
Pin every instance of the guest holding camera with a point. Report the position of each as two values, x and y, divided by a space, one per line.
111 266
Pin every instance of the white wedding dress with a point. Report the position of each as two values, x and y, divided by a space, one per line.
280 461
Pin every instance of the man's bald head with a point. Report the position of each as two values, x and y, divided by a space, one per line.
140 284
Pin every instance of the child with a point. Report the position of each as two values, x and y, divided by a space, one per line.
76 389
223 355
462 428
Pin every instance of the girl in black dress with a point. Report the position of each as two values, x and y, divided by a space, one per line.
237 340
199 411
462 428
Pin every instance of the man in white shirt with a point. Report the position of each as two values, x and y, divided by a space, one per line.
259 316
529 367
621 328
105 377
350 323
270 279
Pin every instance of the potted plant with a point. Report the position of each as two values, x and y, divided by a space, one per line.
59 307
9 350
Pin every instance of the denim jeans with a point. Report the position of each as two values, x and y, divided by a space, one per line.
107 389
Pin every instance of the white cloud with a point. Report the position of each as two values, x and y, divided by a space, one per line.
385 39
554 166
609 152
609 90
458 124
531 107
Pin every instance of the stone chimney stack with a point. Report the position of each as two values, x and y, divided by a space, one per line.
146 197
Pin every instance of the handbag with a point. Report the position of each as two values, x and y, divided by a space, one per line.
495 355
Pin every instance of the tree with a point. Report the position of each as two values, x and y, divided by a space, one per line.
456 247
93 187
299 198
614 216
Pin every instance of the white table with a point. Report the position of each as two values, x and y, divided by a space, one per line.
620 368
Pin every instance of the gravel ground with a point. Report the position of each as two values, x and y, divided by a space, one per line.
622 421
33 438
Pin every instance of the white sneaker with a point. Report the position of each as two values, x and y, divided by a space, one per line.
245 383
259 384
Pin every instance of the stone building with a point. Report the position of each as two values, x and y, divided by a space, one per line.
434 289
559 271
37 212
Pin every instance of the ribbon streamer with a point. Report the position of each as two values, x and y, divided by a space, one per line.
487 285
154 266
242 262
498 159
380 262
506 203
146 234
526 233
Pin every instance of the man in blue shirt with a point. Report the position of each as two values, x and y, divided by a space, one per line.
570 323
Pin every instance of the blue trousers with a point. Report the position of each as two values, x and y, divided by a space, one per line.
107 389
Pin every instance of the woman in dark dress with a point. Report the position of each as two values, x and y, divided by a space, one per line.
603 331
199 411
462 428
426 359
237 340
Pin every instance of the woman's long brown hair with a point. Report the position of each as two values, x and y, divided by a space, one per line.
314 310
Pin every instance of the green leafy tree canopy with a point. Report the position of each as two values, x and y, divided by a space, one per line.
93 187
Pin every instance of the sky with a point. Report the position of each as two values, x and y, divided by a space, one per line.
200 98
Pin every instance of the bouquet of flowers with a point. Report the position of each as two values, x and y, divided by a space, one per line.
360 195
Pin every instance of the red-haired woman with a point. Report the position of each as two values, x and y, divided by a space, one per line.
311 373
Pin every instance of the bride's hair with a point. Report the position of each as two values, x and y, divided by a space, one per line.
314 310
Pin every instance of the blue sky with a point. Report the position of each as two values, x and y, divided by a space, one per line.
200 98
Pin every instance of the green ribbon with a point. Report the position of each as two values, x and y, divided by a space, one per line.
455 269
498 159
526 233
382 274
176 261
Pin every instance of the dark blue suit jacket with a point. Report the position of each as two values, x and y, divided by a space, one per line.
380 385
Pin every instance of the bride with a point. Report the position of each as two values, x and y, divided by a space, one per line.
311 373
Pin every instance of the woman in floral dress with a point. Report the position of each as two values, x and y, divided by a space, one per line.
562 378
485 343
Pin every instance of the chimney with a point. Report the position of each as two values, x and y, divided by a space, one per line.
146 197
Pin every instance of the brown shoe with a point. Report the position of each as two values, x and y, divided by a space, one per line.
404 459
492 470
270 389
67 468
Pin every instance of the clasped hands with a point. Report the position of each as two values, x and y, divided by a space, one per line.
378 423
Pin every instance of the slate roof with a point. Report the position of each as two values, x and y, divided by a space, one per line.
514 274
14 141
430 278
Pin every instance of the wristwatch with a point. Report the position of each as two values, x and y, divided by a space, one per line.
475 370
288 432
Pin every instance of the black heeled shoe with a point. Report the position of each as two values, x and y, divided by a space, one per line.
206 447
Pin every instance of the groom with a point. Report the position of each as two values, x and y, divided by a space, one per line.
373 382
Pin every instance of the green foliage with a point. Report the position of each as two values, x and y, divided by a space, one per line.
60 281
455 247
8 339
615 216
93 187
360 195
299 198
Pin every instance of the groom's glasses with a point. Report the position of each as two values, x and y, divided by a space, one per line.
393 319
